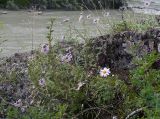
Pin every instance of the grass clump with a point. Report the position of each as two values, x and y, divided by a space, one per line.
66 83
139 26
86 94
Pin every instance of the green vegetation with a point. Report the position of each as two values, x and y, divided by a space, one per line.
134 25
67 81
77 90
61 4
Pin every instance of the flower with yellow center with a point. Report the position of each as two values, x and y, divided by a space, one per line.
105 72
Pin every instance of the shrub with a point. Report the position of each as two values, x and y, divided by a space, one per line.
73 88
134 25
22 3
11 5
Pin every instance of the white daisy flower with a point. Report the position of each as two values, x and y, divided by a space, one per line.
96 20
45 48
89 16
147 3
105 72
42 82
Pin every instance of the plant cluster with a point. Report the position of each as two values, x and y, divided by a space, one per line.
75 87
69 82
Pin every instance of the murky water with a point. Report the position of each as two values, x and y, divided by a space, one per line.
139 6
25 30
21 29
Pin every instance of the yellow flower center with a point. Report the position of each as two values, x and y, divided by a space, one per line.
104 71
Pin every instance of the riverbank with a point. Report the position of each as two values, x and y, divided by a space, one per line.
68 80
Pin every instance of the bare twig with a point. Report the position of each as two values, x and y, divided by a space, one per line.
6 101
134 112
92 108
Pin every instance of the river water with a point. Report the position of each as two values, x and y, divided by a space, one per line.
139 7
24 31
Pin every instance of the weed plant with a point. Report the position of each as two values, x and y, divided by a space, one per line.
67 84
